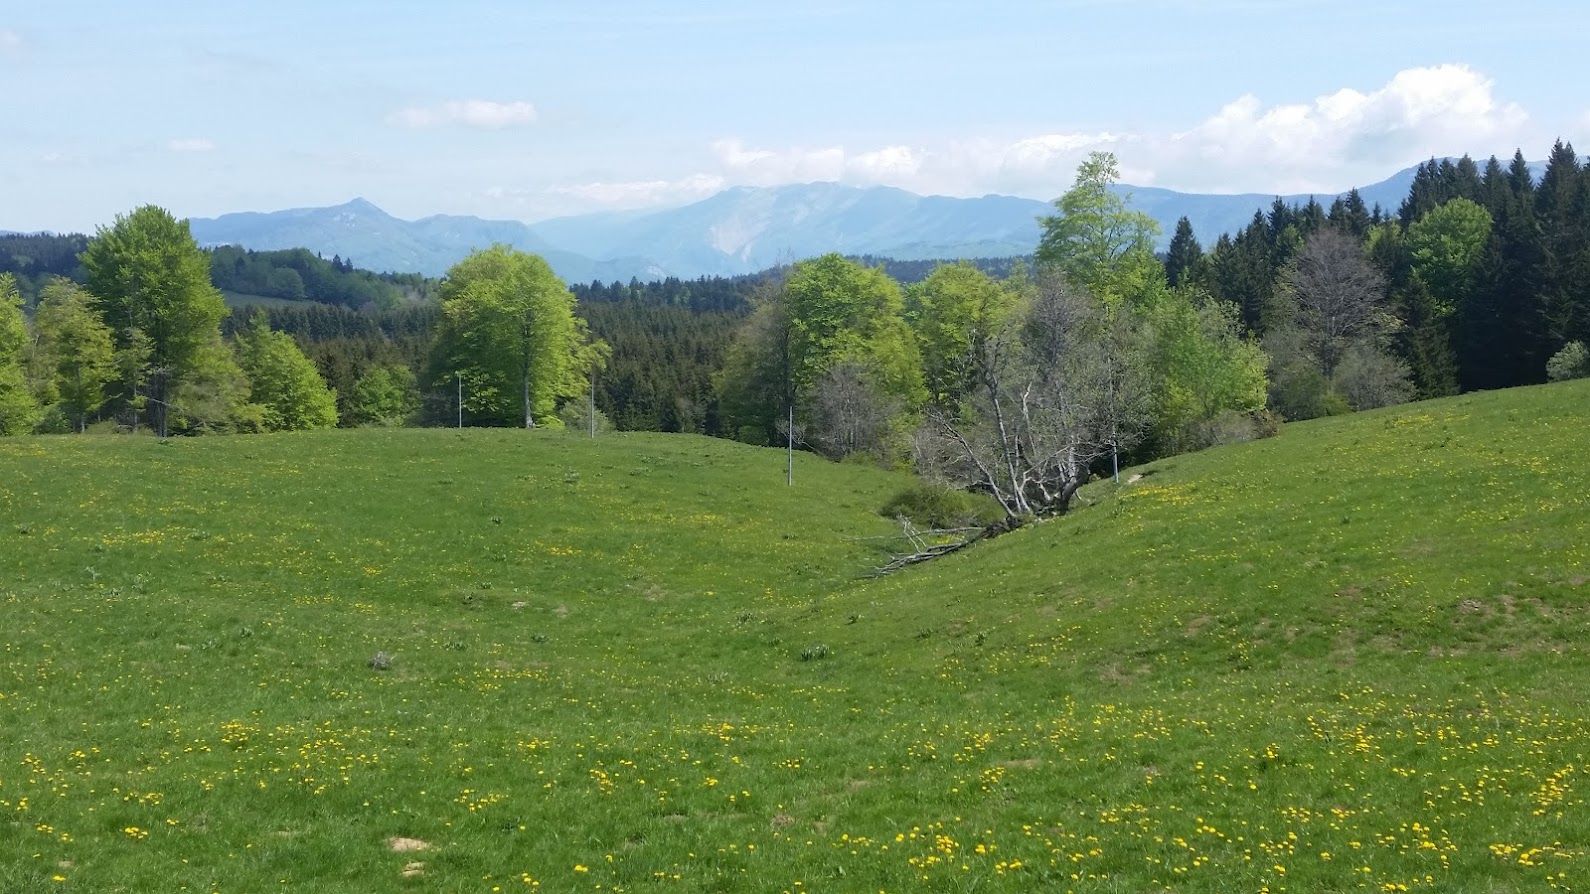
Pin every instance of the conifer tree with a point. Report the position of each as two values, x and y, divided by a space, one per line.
1185 254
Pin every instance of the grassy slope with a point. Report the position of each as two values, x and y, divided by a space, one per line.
1349 657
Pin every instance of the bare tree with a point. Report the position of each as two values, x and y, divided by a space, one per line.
850 414
1033 424
1339 295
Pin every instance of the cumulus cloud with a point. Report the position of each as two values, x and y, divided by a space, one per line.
1349 137
479 113
966 168
197 144
1441 110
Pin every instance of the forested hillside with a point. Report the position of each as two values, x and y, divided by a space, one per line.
1476 281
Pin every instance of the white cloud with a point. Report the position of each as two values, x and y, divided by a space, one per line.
1322 145
191 145
766 167
618 194
479 113
1330 143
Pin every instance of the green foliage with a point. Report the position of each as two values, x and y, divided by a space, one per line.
1445 246
1204 368
77 347
146 273
1369 377
508 327
1096 240
34 259
754 388
1572 362
576 417
1184 260
829 313
932 504
385 396
18 409
840 311
214 397
299 274
283 383
951 313
664 357
148 276
132 359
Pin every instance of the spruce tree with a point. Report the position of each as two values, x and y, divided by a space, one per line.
1563 208
1184 256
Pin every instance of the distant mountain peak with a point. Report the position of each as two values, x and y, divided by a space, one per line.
361 205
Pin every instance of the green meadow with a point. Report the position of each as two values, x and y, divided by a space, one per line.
1351 657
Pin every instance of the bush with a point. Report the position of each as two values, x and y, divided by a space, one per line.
929 504
1368 378
54 421
1572 362
576 417
1232 427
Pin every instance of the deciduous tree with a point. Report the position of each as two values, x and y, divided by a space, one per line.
19 412
147 275
1096 240
952 312
1339 296
386 395
509 329
287 387
77 347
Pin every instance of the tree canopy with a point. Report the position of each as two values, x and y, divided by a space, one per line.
148 276
510 334
1096 240
283 383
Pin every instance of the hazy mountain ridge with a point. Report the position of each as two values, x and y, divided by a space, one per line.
375 240
739 230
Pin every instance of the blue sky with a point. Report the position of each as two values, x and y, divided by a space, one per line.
531 110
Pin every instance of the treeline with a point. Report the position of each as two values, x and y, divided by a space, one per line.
1478 280
33 258
911 272
299 274
140 340
1018 377
293 274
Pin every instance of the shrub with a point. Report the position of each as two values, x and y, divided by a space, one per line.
1232 427
576 417
930 504
1572 362
1369 377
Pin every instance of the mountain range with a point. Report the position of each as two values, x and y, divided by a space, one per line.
739 230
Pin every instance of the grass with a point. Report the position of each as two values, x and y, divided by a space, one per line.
242 299
1347 658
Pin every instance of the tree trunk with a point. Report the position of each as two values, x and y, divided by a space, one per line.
529 420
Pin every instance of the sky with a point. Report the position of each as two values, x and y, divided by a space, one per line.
529 110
